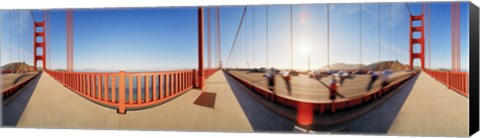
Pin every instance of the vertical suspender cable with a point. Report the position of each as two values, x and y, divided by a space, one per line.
10 54
360 40
266 24
291 37
453 34
396 37
236 35
390 31
328 36
245 44
17 33
1 37
218 37
253 36
379 28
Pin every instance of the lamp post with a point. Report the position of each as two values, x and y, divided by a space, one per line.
306 50
248 64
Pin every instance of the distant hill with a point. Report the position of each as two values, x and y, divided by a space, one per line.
392 65
343 66
17 66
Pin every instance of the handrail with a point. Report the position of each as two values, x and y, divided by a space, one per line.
127 90
457 81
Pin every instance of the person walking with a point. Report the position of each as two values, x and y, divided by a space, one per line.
270 75
286 77
333 92
373 78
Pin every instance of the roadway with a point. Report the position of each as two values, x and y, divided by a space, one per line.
10 79
306 89
422 107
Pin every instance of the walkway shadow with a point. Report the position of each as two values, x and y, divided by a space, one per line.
260 117
13 110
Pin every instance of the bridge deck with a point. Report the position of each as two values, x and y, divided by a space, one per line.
54 106
304 88
432 110
10 79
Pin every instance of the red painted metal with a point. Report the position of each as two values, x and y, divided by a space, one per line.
69 33
219 53
457 81
200 49
420 41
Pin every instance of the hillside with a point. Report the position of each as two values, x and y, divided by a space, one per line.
392 65
17 66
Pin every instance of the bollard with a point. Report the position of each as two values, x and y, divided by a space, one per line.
121 93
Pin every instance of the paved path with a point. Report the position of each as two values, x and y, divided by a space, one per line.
432 110
54 106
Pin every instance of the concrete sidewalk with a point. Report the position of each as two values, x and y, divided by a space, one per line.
54 106
431 109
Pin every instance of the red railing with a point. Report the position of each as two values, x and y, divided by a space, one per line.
457 81
10 90
210 72
127 90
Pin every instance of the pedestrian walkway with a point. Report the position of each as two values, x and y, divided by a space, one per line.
54 106
431 109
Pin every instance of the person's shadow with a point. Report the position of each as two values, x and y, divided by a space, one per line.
14 106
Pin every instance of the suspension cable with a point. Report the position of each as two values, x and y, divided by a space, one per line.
253 36
218 38
379 29
236 35
328 36
10 31
360 40
266 26
291 37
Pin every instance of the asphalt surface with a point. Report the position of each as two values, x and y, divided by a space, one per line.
11 79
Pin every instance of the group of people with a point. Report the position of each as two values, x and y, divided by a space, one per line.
333 86
270 75
374 77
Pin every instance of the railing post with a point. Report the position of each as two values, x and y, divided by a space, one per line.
448 79
63 81
121 93
194 79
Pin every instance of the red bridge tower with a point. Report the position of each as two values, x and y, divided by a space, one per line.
420 41
39 35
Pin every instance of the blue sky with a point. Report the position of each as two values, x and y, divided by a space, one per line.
149 39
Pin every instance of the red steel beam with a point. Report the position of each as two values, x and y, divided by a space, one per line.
200 49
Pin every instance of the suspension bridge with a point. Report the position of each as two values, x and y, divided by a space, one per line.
226 97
